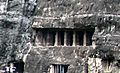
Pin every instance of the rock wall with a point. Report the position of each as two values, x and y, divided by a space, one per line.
18 26
15 29
103 15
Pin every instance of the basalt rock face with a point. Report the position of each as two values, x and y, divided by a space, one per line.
103 15
15 29
19 39
74 13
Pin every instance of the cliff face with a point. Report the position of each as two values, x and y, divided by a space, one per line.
18 34
103 15
15 29
73 7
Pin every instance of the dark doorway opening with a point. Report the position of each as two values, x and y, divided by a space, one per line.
61 38
69 38
18 64
89 35
79 37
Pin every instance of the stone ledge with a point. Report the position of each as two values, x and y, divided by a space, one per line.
42 47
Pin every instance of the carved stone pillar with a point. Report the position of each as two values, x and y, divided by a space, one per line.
56 39
65 38
74 38
84 39
38 39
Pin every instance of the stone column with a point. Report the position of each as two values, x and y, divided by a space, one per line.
39 38
74 39
51 69
65 38
56 39
84 39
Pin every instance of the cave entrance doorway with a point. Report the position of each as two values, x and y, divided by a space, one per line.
18 64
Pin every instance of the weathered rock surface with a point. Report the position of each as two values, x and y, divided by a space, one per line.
15 30
103 15
17 36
